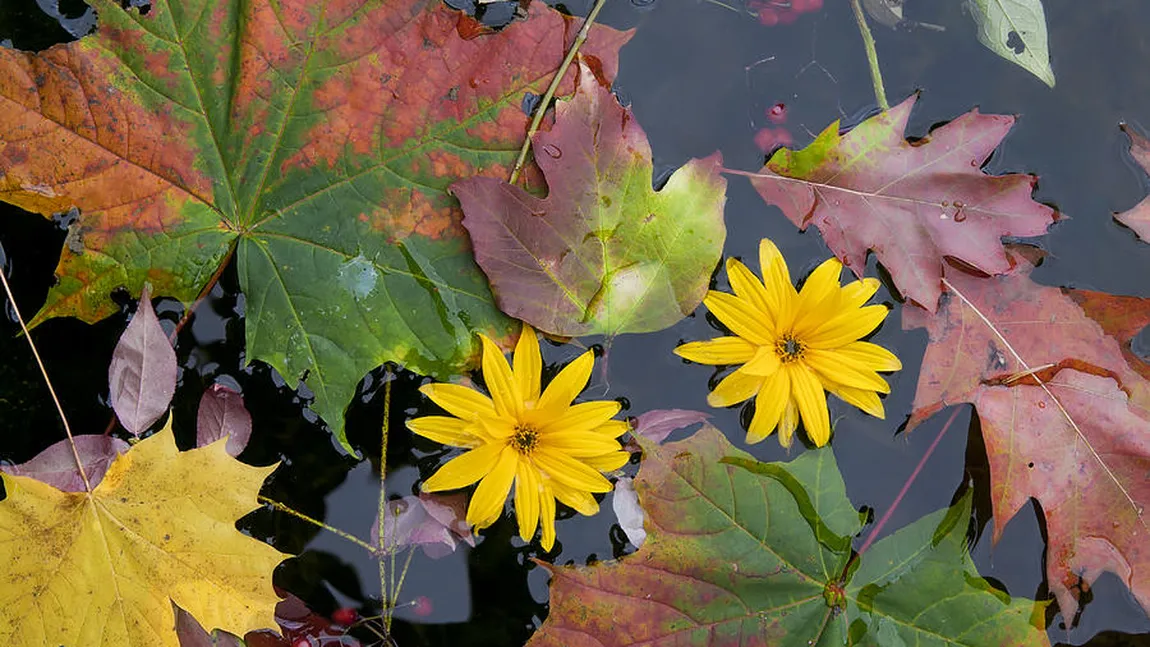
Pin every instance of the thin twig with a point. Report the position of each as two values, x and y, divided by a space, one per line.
315 522
871 56
386 575
541 108
44 372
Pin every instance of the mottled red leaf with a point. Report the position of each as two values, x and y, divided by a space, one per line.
56 465
1080 447
313 142
983 327
603 253
1138 217
912 203
222 413
142 375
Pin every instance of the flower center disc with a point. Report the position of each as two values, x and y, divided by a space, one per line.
524 439
789 349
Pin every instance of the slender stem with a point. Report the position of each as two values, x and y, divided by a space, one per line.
386 575
906 486
44 372
871 56
316 522
402 576
541 109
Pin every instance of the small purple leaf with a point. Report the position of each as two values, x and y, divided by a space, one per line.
625 503
192 634
56 465
222 413
657 424
433 522
142 376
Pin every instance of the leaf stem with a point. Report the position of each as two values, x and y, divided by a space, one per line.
386 574
871 56
541 108
44 372
282 507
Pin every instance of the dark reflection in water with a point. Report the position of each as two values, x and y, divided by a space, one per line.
699 77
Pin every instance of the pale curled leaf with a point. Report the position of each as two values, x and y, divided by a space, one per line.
1016 31
222 414
657 424
1137 218
56 465
142 375
625 504
436 523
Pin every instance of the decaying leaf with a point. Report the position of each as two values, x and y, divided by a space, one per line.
603 253
914 204
1016 31
1082 449
746 553
436 523
1138 217
143 371
101 569
56 465
316 142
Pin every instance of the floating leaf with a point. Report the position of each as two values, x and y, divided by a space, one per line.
436 523
56 465
913 204
1138 217
104 567
191 634
747 553
1016 31
657 424
1081 448
625 505
603 253
222 414
316 144
142 375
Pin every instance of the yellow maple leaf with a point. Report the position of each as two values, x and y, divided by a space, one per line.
102 568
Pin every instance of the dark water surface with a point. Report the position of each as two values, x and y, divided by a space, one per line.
699 78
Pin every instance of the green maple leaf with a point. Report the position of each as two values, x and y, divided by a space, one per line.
312 141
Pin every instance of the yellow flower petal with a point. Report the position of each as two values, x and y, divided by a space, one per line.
547 518
578 500
608 462
739 316
734 388
487 502
856 293
765 363
788 422
776 279
527 493
721 351
847 327
866 400
527 364
873 356
568 384
812 402
834 367
819 297
770 404
613 428
459 401
442 429
748 286
581 418
579 444
500 382
569 471
464 470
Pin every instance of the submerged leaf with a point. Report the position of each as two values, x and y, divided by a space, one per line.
104 567
747 553
603 253
222 414
1138 217
316 142
914 204
142 375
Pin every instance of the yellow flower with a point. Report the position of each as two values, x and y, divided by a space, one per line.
794 345
549 448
